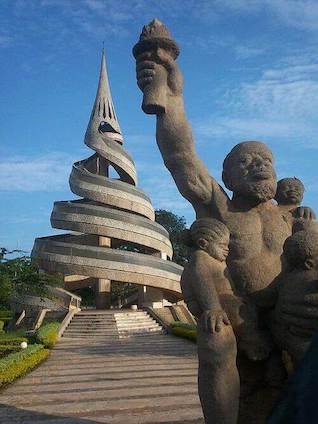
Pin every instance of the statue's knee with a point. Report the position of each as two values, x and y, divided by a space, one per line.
217 348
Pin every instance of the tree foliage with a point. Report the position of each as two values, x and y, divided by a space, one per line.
175 225
20 276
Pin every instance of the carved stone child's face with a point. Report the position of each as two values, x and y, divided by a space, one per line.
216 248
289 192
301 250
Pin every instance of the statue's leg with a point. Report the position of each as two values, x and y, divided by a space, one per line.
218 378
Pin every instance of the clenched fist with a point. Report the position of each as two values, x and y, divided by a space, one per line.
157 70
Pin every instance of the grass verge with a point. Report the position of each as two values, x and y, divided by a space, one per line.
19 363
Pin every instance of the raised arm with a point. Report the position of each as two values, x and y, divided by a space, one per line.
174 134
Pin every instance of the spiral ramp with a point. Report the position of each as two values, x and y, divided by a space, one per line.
111 211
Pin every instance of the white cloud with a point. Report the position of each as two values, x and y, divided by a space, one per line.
282 103
45 173
302 14
246 52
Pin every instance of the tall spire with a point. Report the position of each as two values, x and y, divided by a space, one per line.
103 117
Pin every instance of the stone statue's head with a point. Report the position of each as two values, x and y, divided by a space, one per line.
248 171
290 191
301 249
302 224
212 236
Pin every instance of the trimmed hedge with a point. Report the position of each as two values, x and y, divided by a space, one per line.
12 334
18 356
180 324
15 341
6 349
185 333
5 315
17 364
47 334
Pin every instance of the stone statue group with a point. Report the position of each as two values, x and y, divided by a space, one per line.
251 280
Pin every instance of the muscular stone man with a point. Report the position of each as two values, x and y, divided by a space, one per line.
258 229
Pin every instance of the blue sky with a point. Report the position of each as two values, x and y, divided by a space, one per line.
250 69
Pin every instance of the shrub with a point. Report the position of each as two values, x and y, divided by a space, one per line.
186 333
5 315
17 357
180 324
13 334
13 341
1 327
47 334
14 338
6 349
19 363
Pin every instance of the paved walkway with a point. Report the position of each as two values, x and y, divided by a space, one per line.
142 379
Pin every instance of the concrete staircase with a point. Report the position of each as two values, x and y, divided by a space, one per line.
136 323
92 325
94 375
108 325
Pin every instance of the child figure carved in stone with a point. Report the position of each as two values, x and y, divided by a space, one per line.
289 196
296 284
208 290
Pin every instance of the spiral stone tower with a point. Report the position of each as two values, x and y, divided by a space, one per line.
110 213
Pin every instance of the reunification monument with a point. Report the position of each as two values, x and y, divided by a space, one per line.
252 277
110 213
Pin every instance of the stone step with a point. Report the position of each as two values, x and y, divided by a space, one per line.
99 347
136 323
121 359
93 322
125 371
97 336
107 349
93 318
114 375
134 319
110 314
89 322
128 324
150 341
112 364
93 330
112 331
111 407
191 414
140 329
84 387
111 393
147 417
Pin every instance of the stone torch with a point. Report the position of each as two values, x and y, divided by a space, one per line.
154 36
